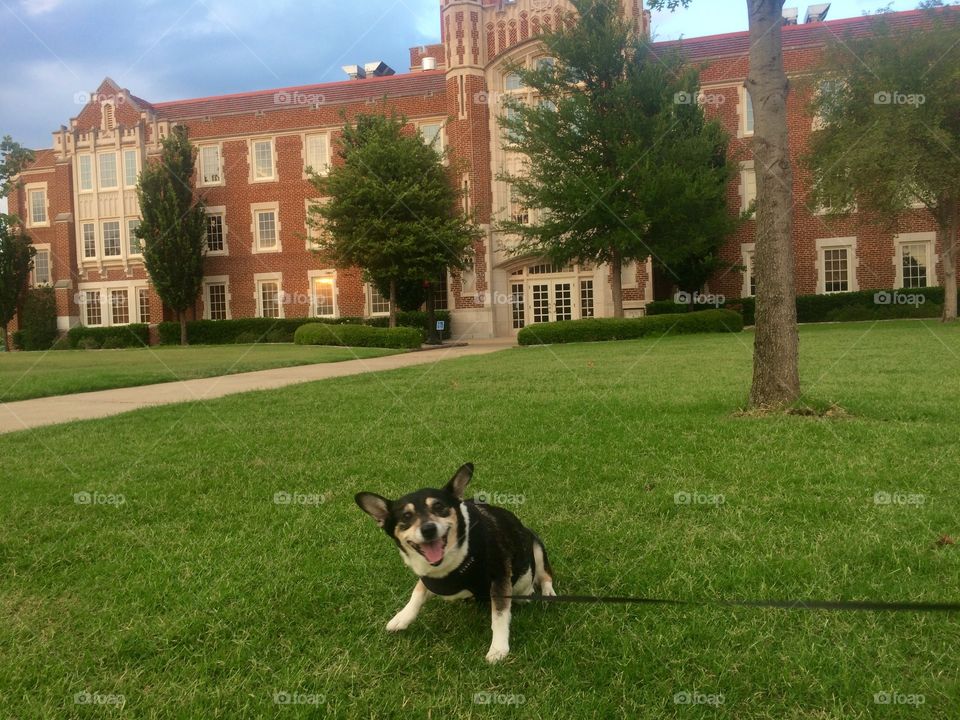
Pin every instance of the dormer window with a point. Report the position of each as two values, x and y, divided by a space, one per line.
109 116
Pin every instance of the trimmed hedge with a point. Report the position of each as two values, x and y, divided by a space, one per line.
121 336
358 336
600 329
836 307
415 318
38 320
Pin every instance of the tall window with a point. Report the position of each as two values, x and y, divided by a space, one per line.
586 298
836 272
143 301
215 233
317 154
379 305
38 206
119 307
440 295
93 310
748 118
518 213
324 290
913 258
749 176
210 171
516 302
85 172
108 171
512 82
41 267
432 134
135 247
89 240
217 301
129 168
751 279
263 160
111 238
269 298
266 225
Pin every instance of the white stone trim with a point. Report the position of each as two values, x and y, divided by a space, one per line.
325 273
746 168
221 210
222 179
256 208
258 280
209 280
926 238
252 158
742 95
747 257
325 134
45 248
33 188
853 261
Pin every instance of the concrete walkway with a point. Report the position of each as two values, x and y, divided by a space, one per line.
26 414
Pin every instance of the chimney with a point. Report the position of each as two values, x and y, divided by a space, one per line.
817 13
429 63
355 72
790 16
378 68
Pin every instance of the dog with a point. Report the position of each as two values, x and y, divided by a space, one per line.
460 549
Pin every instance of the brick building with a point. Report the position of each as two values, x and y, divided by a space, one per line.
79 204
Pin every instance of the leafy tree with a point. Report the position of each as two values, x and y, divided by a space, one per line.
16 262
889 106
13 158
173 229
619 162
392 209
776 376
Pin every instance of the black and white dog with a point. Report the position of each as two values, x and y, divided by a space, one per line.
460 549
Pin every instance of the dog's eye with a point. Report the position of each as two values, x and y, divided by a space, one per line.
439 509
407 516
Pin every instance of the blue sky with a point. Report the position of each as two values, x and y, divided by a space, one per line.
53 50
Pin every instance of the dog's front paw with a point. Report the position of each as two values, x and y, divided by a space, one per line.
497 653
400 621
547 590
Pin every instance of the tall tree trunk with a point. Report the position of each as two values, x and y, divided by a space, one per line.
182 317
948 246
616 282
433 336
393 303
776 377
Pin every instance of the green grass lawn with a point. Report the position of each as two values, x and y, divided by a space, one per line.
36 374
201 597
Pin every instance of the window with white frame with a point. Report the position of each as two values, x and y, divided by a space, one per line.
836 265
129 168
324 294
586 298
441 297
432 133
747 252
519 213
377 304
85 173
37 201
216 302
216 235
914 259
748 185
120 307
89 232
262 151
93 313
513 81
108 171
143 304
265 228
41 267
268 298
747 114
316 153
111 238
134 246
211 172
314 223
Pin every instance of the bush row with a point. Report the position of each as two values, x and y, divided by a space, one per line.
599 329
358 336
37 320
121 336
837 307
270 330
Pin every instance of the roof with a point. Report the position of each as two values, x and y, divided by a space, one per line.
344 91
794 36
45 158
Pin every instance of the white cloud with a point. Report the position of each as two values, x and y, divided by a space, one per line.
39 7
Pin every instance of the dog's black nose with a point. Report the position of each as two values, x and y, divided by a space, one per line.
428 530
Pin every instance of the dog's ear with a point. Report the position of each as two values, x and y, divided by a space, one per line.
375 506
458 483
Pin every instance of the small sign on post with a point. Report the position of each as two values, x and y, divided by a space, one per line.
441 325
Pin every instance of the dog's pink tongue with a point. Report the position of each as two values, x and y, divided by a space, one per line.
433 552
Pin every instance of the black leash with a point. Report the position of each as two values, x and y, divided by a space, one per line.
839 605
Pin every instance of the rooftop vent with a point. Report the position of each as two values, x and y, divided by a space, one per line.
790 16
429 63
355 72
817 13
378 68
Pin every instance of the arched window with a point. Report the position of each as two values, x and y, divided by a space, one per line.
109 117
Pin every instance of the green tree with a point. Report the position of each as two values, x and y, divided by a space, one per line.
392 209
13 158
889 135
776 349
16 262
619 161
173 229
